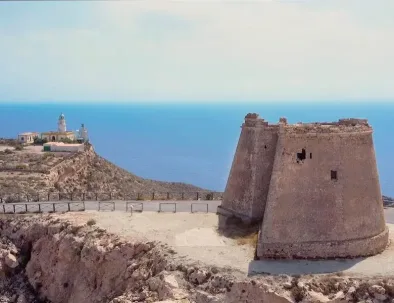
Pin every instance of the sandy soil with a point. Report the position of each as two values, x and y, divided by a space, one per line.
192 236
26 149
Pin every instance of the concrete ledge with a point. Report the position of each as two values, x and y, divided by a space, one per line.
325 250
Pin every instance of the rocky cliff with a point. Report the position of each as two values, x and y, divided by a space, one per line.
24 175
47 259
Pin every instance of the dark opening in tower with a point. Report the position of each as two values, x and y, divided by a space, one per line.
333 175
301 156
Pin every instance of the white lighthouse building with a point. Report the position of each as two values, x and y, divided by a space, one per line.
61 134
61 124
83 133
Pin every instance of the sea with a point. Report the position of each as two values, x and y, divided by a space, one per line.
192 143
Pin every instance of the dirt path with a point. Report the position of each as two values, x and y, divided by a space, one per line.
192 236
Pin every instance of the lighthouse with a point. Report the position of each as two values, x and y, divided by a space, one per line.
61 124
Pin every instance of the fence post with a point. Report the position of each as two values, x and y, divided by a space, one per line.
68 206
83 196
183 196
153 195
168 196
71 196
96 196
197 196
53 207
27 197
175 207
49 195
110 196
25 207
39 207
3 208
38 197
13 207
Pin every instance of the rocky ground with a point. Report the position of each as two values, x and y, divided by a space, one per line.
14 285
30 173
69 262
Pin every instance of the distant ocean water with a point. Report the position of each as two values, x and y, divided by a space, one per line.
189 143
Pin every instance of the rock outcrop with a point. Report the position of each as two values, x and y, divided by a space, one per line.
34 175
14 286
46 258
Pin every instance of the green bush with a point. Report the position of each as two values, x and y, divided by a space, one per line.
19 147
39 141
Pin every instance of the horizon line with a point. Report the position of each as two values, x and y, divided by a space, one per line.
203 102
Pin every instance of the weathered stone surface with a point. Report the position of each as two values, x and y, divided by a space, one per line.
11 261
86 264
313 187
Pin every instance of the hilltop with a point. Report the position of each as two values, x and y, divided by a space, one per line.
28 171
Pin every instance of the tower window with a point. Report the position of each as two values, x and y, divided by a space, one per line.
301 156
310 156
265 146
333 175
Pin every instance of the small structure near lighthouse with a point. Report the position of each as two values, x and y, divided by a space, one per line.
313 188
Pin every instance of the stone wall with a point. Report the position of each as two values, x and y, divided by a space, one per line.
308 183
250 174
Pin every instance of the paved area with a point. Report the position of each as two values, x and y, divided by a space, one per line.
389 214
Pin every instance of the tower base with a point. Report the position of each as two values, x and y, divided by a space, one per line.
324 250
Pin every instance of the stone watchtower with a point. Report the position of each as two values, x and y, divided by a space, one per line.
313 189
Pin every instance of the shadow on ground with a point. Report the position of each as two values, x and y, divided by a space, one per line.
300 267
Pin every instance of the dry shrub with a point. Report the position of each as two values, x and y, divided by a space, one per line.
91 222
250 239
298 293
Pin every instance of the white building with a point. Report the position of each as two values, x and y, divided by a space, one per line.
27 138
63 147
61 133
83 133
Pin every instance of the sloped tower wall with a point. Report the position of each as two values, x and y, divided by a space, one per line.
314 188
324 199
248 183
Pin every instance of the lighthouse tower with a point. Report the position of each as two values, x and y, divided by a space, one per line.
83 133
61 124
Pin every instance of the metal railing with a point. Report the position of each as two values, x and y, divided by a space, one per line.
192 207
21 208
106 205
161 208
108 196
139 208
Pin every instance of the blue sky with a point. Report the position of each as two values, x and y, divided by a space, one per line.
196 51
